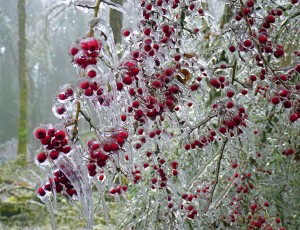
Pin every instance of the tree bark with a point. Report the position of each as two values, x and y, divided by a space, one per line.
23 86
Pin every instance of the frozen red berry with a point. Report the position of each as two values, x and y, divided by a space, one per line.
42 157
40 133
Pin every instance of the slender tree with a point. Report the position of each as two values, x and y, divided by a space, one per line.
22 130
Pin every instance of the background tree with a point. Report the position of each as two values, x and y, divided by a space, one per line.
23 85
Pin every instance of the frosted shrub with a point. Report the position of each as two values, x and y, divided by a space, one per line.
192 122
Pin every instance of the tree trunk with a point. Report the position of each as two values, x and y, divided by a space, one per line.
23 87
115 21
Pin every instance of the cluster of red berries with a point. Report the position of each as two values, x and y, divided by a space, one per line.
60 183
136 173
202 142
85 52
66 93
99 152
188 204
233 117
163 179
61 108
118 190
54 141
219 82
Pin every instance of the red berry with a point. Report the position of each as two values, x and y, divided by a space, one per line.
81 60
74 51
169 103
234 165
215 83
42 157
54 155
230 94
60 110
91 167
40 133
153 180
149 7
194 87
119 86
222 130
84 85
60 134
62 96
244 91
262 39
257 223
248 43
152 134
126 33
147 31
201 12
175 172
114 147
88 92
92 73
266 204
270 19
250 3
66 149
252 78
275 100
230 104
294 117
287 104
127 80
232 49
277 221
187 147
41 192
165 28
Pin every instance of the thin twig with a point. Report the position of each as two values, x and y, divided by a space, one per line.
89 121
233 71
85 6
217 175
202 123
75 129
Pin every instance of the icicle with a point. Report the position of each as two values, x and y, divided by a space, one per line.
99 186
102 25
